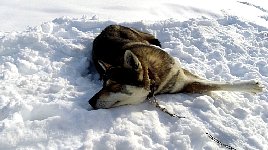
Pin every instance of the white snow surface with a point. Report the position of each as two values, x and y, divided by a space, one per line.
16 15
45 84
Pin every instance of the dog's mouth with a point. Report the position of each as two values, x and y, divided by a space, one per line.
116 103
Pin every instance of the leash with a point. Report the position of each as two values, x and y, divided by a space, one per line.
151 98
219 142
156 104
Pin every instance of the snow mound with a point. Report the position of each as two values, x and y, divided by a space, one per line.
46 81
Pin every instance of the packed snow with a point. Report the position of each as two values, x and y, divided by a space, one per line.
46 82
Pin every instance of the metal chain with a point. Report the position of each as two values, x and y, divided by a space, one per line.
219 142
156 104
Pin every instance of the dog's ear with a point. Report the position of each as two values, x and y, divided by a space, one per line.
131 61
104 65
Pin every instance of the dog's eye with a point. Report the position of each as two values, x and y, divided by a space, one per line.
105 76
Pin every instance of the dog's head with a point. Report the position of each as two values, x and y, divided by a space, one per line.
122 85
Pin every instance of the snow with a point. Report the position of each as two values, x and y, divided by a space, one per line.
45 81
27 13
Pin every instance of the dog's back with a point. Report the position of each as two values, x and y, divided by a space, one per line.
109 46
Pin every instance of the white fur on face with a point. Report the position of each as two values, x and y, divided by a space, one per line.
133 95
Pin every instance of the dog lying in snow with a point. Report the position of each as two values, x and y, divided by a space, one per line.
133 67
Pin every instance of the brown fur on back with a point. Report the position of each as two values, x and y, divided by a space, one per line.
108 46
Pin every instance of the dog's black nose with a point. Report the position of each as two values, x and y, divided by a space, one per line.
93 102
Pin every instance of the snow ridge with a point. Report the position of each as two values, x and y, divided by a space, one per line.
46 81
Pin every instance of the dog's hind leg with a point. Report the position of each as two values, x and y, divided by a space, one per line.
204 86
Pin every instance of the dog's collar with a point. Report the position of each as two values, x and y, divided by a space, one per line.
152 84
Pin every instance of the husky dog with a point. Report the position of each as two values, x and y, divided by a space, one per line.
133 67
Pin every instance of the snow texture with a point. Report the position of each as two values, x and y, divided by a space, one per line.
46 80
